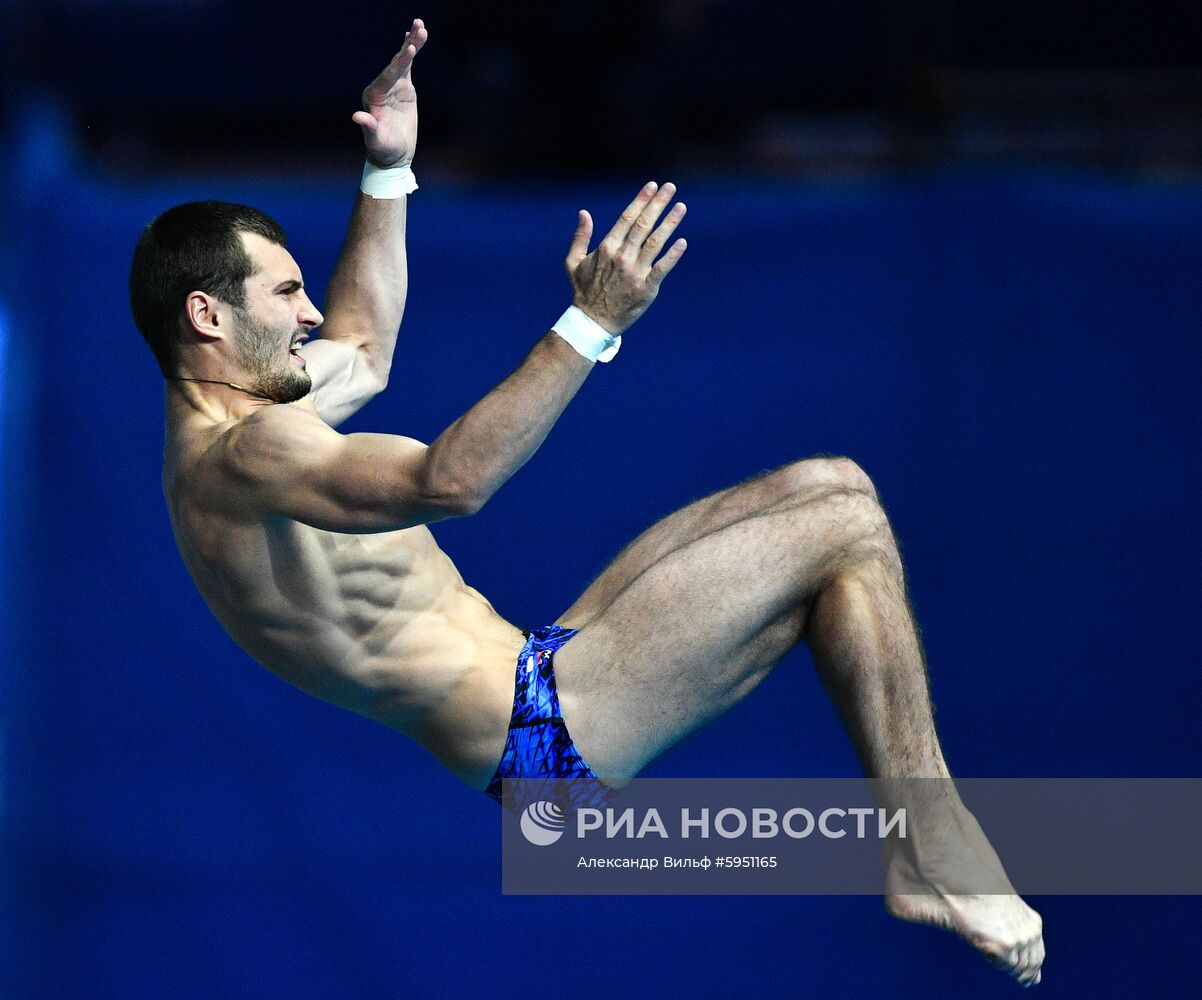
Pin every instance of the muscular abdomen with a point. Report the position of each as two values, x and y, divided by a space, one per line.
380 624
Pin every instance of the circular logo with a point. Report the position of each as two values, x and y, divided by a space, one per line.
542 823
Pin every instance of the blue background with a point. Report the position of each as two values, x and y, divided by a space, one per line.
1012 355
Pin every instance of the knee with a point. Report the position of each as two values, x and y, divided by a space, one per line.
852 476
857 514
860 538
828 472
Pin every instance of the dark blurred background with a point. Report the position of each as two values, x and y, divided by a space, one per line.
542 88
956 242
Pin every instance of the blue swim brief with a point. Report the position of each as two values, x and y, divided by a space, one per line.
540 761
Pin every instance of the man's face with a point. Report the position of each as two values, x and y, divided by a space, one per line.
277 316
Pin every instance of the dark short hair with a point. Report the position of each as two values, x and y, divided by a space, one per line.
190 248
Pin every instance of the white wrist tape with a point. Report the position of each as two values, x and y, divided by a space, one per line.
588 336
387 182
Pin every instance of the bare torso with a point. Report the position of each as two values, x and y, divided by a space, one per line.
380 624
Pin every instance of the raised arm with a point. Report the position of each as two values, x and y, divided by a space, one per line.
291 464
351 361
614 285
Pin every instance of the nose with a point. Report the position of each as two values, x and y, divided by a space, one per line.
309 315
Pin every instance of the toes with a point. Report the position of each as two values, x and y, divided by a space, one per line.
1031 962
1019 962
1007 960
1027 969
999 956
1024 970
1037 957
1020 965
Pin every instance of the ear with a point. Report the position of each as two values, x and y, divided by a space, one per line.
206 317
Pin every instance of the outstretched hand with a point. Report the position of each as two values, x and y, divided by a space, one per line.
618 281
389 115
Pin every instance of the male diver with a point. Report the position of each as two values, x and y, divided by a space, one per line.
311 546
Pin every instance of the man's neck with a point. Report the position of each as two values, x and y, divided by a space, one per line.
211 400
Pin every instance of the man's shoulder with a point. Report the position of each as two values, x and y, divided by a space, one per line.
227 462
272 438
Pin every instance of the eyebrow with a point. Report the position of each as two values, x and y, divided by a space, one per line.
291 285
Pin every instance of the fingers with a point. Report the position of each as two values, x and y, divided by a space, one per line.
579 248
668 261
633 243
641 227
633 234
413 43
655 242
617 235
403 60
367 122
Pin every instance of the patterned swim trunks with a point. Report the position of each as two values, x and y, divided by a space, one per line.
540 761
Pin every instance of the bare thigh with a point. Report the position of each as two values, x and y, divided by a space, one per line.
696 611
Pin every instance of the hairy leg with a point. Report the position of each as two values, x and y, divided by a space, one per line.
788 485
694 613
864 641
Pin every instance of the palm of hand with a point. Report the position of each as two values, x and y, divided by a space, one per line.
389 115
395 136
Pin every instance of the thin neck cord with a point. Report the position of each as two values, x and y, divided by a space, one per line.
213 381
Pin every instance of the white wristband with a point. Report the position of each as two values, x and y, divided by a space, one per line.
587 336
387 182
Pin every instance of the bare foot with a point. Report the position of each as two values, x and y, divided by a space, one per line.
993 919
